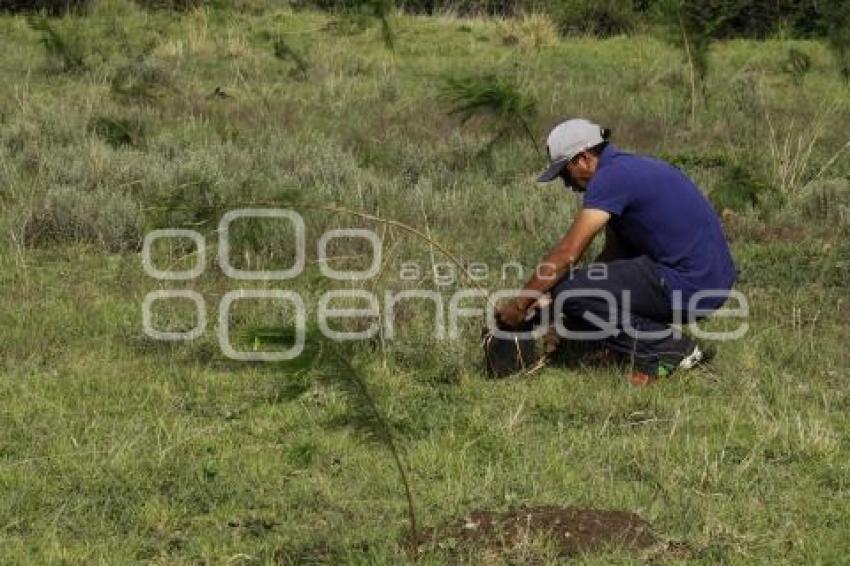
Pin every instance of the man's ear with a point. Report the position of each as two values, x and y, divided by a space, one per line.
585 159
591 161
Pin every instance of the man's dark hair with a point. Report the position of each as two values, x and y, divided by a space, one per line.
599 148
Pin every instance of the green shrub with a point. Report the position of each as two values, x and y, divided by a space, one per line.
51 7
837 18
761 18
173 5
693 159
355 16
496 97
797 64
732 18
739 189
601 18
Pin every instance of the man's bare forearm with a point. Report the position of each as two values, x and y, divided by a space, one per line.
564 255
554 266
558 261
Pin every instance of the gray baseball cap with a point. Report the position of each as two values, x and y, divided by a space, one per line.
565 141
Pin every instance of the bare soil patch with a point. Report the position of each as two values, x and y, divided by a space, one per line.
573 530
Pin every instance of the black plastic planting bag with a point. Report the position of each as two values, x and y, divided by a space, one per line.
511 354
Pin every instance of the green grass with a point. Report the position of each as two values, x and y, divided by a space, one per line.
115 448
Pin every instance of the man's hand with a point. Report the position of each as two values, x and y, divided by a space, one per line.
511 313
585 226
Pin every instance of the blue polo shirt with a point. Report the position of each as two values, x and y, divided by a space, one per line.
657 211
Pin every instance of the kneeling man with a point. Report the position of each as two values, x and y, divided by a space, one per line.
665 257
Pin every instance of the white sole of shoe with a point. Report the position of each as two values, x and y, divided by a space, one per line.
692 360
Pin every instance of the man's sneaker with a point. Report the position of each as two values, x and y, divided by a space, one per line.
649 374
664 367
641 378
698 355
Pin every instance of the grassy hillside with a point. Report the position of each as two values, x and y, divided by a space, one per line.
118 448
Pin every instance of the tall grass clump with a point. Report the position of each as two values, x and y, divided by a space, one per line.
826 201
120 131
66 48
791 146
534 31
283 51
104 218
194 200
142 80
771 150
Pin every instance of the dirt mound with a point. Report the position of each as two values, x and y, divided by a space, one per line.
572 529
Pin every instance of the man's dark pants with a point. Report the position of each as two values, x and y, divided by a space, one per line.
636 298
